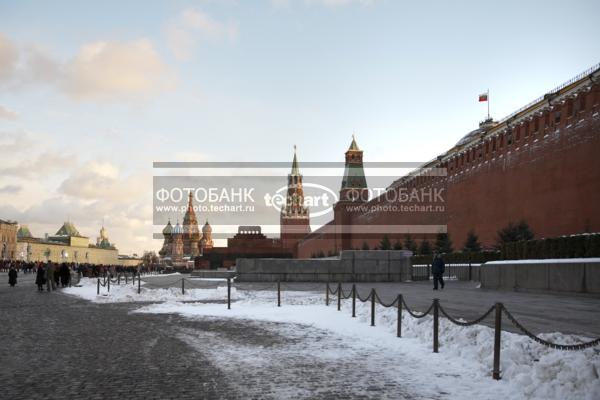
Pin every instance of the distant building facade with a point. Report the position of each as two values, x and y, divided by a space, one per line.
67 245
8 239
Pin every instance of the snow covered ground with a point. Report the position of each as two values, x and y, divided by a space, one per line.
368 356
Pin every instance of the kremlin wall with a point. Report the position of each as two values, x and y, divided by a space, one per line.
540 164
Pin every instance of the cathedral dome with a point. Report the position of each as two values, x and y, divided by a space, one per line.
177 229
470 136
206 228
168 229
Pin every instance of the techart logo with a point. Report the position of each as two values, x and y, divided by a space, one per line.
318 199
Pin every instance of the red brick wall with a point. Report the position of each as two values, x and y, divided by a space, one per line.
550 177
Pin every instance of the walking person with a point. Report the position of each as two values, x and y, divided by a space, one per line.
437 269
50 283
40 277
65 274
12 276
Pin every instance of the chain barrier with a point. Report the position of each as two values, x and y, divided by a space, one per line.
579 346
366 298
467 323
346 296
333 292
413 314
392 304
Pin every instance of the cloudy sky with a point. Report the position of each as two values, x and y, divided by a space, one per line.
91 93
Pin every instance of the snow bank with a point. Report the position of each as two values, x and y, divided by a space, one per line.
463 366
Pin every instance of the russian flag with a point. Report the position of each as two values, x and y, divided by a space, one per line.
483 97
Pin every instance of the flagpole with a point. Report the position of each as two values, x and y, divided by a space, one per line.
488 101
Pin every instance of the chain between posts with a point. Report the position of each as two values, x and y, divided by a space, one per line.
579 346
467 323
414 315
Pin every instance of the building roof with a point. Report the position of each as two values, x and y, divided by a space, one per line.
168 229
295 166
206 228
68 229
353 145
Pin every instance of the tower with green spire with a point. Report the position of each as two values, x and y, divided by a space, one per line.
354 183
353 191
294 218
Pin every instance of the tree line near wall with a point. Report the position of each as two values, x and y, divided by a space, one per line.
514 242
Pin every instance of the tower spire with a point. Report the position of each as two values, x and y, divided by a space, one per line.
295 166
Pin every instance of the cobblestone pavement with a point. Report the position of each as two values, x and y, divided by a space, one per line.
56 346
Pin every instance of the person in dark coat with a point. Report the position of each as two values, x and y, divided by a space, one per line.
65 274
12 276
437 269
57 276
40 277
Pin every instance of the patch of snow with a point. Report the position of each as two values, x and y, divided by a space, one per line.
462 368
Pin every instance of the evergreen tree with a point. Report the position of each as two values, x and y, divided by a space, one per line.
397 245
425 247
443 244
385 243
410 244
514 233
365 246
472 244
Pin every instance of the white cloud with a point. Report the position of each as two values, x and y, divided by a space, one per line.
184 33
100 70
8 58
108 70
7 114
97 180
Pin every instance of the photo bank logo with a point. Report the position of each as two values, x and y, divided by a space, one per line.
319 199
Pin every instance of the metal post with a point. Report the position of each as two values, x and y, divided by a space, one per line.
182 286
98 291
126 279
353 300
118 279
327 294
470 268
278 293
229 293
436 324
428 271
372 307
497 331
339 292
399 326
139 283
108 283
